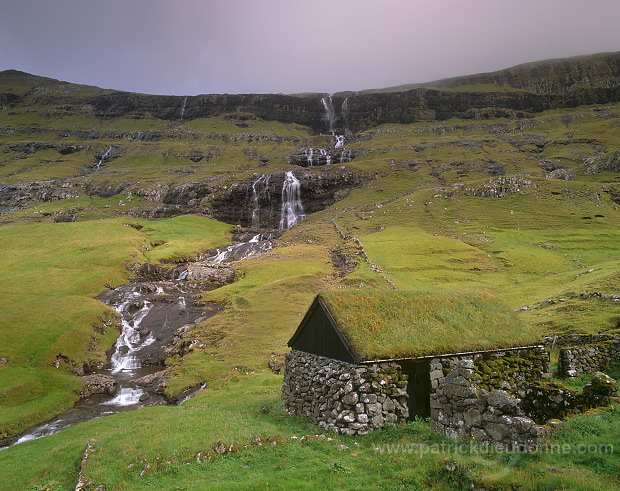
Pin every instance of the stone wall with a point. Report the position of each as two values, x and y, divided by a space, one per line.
505 370
588 358
342 397
461 409
545 401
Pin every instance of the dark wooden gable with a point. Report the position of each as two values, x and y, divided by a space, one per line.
319 334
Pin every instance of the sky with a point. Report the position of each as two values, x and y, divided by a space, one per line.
190 47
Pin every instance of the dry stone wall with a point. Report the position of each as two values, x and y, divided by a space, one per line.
505 370
461 409
342 397
589 358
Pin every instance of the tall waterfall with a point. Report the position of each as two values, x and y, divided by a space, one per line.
260 189
330 114
292 208
183 107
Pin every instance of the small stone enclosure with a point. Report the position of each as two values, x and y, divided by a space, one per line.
497 396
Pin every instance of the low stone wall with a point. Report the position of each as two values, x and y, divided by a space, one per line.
341 397
588 358
548 401
461 409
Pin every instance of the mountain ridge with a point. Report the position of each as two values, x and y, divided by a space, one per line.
501 78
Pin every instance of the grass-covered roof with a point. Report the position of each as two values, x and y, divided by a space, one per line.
380 325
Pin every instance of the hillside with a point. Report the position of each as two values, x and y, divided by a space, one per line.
515 192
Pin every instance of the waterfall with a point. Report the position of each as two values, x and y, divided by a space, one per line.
309 152
344 110
330 115
260 189
129 341
327 157
339 141
183 107
292 208
126 397
242 250
103 157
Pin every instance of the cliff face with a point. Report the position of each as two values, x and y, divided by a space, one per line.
357 113
550 84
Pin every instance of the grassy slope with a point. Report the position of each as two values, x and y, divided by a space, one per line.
527 247
51 274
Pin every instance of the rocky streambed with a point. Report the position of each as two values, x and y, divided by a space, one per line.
156 316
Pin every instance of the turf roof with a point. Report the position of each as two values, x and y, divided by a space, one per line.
403 324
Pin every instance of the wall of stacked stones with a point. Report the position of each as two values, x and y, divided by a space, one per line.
602 354
505 370
342 397
460 408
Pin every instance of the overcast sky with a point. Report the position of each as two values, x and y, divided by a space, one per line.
188 47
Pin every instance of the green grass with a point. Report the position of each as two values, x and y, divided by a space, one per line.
414 222
51 274
181 453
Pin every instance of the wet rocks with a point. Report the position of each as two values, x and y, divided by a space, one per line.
98 384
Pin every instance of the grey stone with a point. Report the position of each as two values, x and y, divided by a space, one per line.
472 417
351 398
368 398
522 424
479 435
502 400
496 431
388 405
377 421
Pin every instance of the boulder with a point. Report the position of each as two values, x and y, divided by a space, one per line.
206 271
98 384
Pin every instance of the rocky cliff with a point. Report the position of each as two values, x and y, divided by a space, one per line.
538 86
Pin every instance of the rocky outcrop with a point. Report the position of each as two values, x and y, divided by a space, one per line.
98 384
318 191
210 272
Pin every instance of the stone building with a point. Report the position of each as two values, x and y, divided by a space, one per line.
361 360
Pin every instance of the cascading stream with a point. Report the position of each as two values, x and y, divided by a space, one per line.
292 208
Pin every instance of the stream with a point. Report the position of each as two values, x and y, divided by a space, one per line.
154 317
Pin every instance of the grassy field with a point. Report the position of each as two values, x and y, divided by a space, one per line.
235 435
458 205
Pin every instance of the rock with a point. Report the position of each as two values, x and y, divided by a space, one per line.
98 384
342 448
154 383
503 401
472 417
602 385
206 271
351 398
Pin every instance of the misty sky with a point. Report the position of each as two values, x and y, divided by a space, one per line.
188 47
